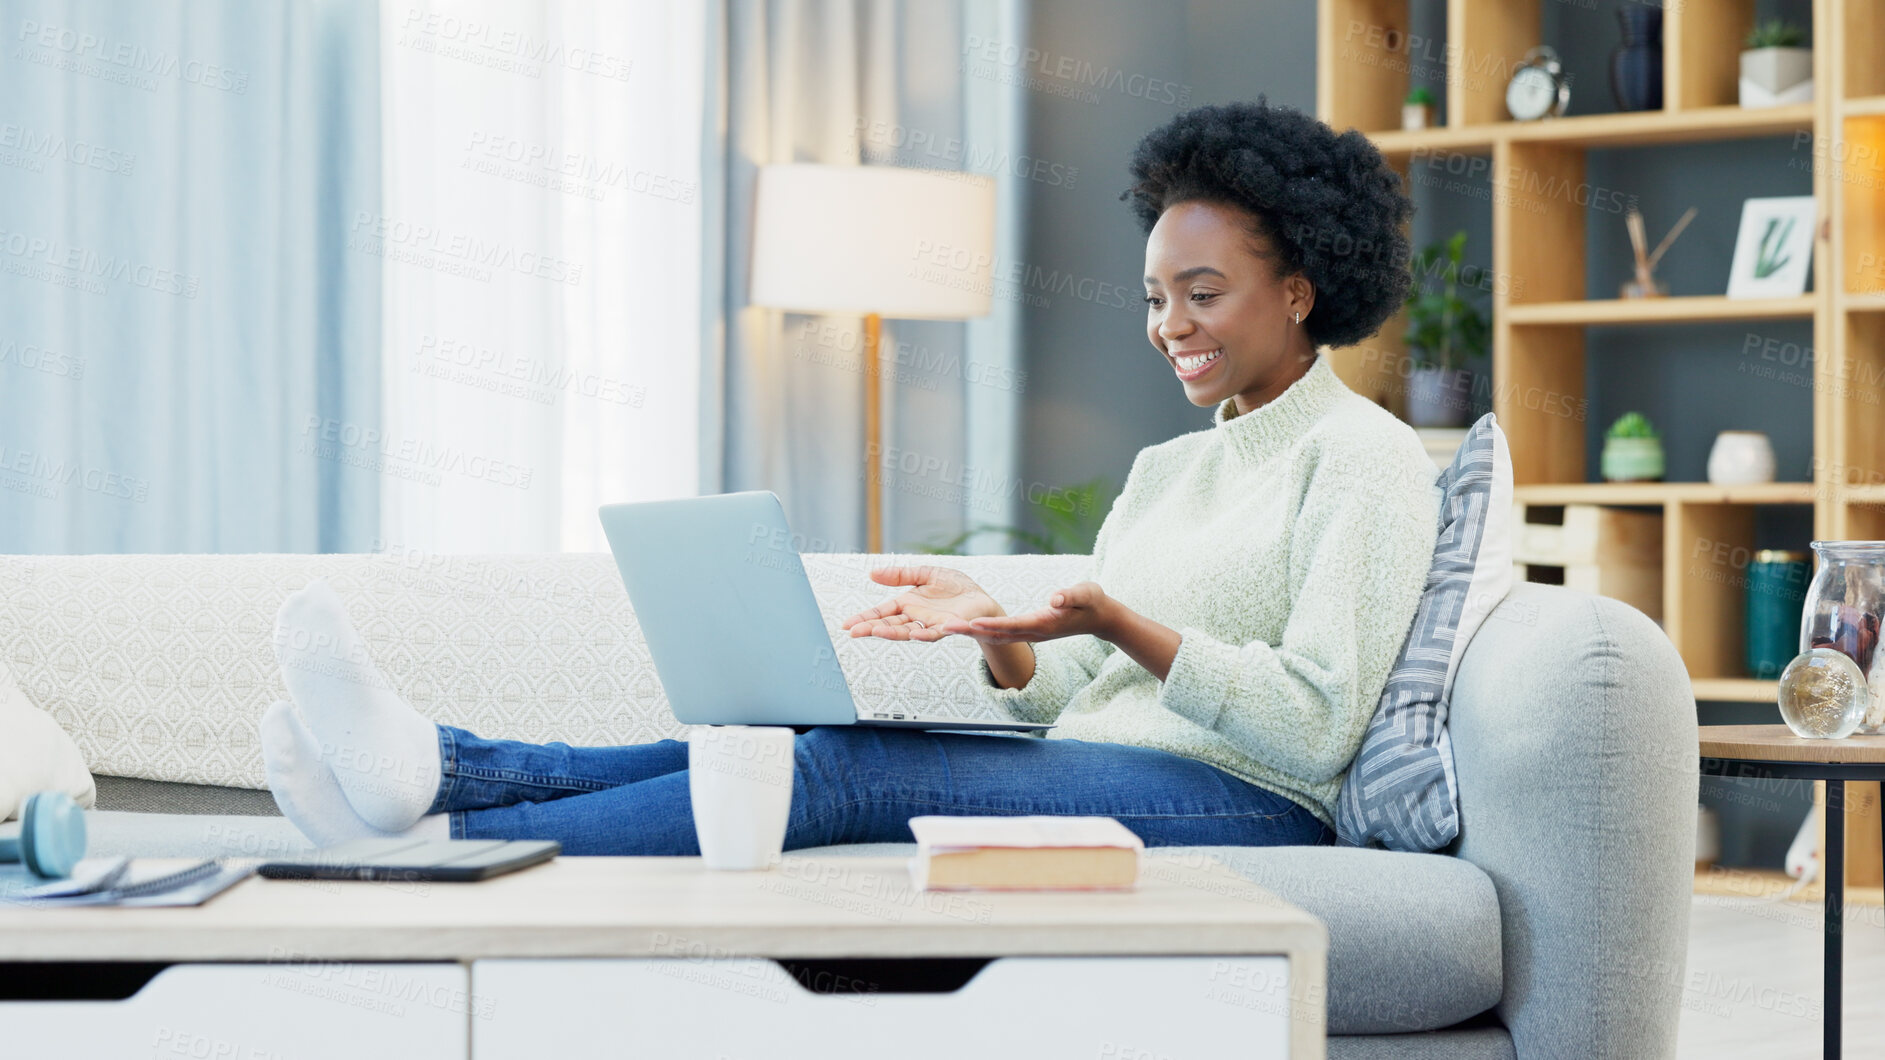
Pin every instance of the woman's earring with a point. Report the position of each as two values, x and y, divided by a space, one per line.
1298 318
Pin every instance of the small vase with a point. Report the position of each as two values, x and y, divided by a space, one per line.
1416 116
1636 64
1439 397
1773 76
1632 459
1740 458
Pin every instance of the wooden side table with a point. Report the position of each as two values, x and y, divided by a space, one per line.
1773 752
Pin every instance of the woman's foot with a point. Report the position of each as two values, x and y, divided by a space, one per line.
307 792
384 754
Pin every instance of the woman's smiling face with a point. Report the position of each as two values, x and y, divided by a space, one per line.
1217 309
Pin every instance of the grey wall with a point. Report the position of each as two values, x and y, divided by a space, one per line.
1097 392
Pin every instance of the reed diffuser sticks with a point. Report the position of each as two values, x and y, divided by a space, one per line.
1645 285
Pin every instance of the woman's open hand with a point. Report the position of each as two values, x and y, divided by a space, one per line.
938 598
1070 612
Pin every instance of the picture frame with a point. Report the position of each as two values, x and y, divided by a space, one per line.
1773 250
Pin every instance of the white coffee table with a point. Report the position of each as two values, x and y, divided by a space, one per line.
832 956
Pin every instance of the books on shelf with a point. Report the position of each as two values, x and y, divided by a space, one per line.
1024 854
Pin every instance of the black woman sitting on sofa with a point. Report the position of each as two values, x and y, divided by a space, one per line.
1211 682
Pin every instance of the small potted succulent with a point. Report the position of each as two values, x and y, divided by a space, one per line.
1417 110
1445 329
1777 67
1632 450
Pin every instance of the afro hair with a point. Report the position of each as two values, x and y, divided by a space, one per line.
1327 204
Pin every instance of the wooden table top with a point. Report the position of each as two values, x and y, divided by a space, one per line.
653 907
1777 743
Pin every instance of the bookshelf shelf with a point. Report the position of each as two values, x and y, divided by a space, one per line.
1472 140
1862 301
1666 127
1645 494
1689 310
1604 130
1735 689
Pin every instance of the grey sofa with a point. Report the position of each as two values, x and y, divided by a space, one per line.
1555 927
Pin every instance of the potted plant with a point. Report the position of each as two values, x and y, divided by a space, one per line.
1417 110
1445 329
1776 68
1632 450
1070 518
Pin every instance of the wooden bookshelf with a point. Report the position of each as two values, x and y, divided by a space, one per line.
1645 494
1402 144
1734 689
1860 302
1701 309
1651 128
1648 128
1540 326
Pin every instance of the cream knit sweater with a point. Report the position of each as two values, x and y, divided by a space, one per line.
1289 547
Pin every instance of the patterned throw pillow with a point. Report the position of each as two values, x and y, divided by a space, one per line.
1400 792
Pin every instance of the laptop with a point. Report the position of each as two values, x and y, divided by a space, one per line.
730 619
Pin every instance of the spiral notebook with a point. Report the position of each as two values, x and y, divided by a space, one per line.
128 883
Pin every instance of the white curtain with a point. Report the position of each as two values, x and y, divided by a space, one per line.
184 334
566 233
542 235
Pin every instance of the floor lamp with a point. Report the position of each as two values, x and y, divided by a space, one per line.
881 241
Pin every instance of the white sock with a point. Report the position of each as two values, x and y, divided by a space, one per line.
307 792
384 753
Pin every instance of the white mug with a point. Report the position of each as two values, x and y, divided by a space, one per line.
739 778
1740 458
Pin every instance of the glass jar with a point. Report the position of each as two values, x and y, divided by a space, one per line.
1842 612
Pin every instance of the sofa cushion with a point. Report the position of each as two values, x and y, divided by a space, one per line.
163 796
161 666
1413 938
114 833
1400 792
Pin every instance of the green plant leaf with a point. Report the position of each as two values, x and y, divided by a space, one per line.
1069 515
1072 515
1775 33
1631 425
1445 326
1771 257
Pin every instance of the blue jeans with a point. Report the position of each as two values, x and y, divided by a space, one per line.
854 785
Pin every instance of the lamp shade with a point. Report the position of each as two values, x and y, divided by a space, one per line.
905 243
